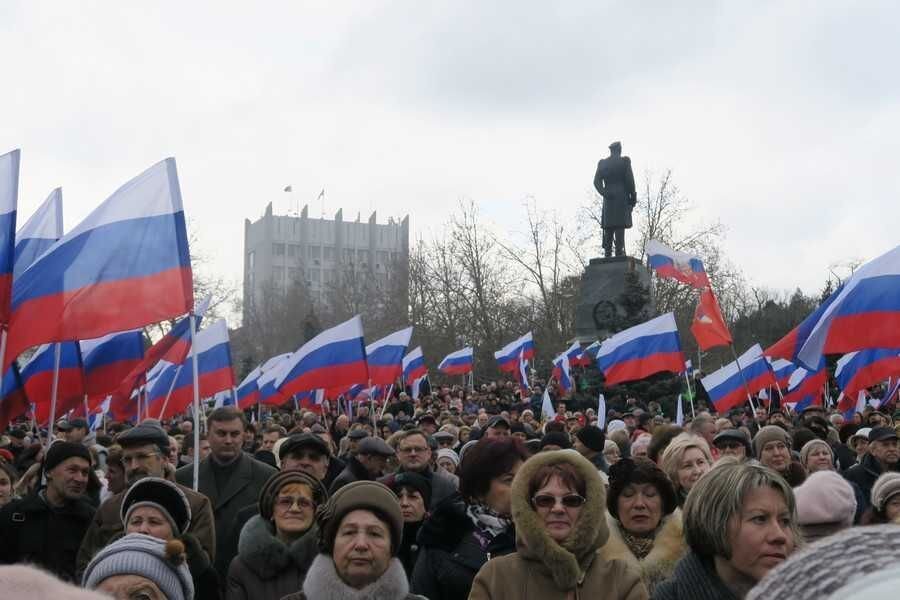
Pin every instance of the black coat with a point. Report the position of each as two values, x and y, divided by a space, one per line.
694 579
31 531
614 181
354 471
449 553
864 475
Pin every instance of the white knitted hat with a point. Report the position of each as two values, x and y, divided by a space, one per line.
138 554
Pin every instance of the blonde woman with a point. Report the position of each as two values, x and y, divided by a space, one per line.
685 461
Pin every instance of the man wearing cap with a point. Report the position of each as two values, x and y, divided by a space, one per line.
589 442
614 181
733 442
497 426
78 430
882 456
368 464
354 437
230 478
145 454
415 454
46 526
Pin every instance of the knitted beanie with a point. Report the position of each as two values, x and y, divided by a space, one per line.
161 562
615 425
886 486
556 438
360 495
414 481
271 487
162 495
769 433
592 437
809 446
825 497
61 451
449 454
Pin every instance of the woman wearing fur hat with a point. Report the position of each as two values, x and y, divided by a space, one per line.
885 500
644 520
277 546
360 529
157 507
558 502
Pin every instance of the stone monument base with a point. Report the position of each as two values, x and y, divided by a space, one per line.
602 286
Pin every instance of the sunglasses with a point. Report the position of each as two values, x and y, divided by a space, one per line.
548 501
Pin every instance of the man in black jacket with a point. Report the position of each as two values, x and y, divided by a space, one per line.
368 464
883 455
45 528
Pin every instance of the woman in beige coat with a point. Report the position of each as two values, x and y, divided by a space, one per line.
558 506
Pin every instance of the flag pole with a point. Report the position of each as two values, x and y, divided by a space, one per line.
169 393
54 389
87 413
196 404
690 394
743 379
2 354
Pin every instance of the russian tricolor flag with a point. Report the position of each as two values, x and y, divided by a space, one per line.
782 370
561 371
805 388
247 390
385 357
459 362
109 359
863 314
37 378
39 233
676 265
641 351
335 357
508 356
726 386
859 370
414 365
9 199
13 401
576 355
126 265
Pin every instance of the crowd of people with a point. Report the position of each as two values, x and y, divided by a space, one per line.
458 494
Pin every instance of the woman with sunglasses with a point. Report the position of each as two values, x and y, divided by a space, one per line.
645 527
558 505
277 546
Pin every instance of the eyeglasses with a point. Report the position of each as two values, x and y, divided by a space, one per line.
548 501
413 450
127 458
286 503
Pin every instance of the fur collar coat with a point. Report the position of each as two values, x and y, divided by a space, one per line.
322 581
668 548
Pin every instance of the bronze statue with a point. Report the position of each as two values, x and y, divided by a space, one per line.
615 182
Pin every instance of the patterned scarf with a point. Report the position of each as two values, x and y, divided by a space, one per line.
488 523
640 546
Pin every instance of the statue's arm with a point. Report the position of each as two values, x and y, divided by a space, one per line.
598 178
629 182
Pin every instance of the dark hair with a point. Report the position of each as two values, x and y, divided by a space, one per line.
661 439
847 431
188 442
566 472
10 472
226 414
801 436
627 472
488 459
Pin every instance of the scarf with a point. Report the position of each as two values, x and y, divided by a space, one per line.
322 581
488 523
640 546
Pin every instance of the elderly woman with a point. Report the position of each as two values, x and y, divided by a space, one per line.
466 530
359 536
277 546
885 506
611 452
826 504
772 446
141 566
644 523
685 460
558 501
158 508
739 523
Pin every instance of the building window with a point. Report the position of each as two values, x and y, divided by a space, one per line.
278 274
251 260
278 249
315 275
363 256
315 252
293 275
293 250
329 253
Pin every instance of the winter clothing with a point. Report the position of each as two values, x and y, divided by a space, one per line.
137 554
409 547
830 568
142 434
769 433
443 484
354 471
667 549
452 550
163 495
270 489
355 496
541 568
414 481
34 532
695 578
810 445
825 505
885 487
24 581
62 451
265 567
556 438
628 471
322 581
795 474
865 474
107 524
592 437
245 478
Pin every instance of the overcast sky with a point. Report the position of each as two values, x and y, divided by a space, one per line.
780 119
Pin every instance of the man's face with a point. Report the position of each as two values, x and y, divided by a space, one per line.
306 459
762 417
374 463
186 427
498 430
629 421
69 478
734 448
76 434
174 451
414 453
142 461
483 419
778 419
886 451
428 427
249 437
269 439
342 423
204 448
226 439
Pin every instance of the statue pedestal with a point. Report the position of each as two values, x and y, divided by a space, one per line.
602 286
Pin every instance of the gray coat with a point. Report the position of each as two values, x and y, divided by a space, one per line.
615 182
241 489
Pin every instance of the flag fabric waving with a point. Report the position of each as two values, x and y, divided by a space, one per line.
859 370
641 351
726 386
13 401
863 314
709 326
132 251
109 359
9 199
673 264
37 378
414 366
39 232
782 370
508 356
335 357
457 363
522 374
385 357
804 388
562 372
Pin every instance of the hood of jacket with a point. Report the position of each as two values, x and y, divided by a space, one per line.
569 561
267 556
668 547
